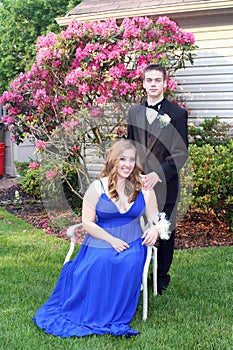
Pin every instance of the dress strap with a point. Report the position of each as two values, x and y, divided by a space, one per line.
102 186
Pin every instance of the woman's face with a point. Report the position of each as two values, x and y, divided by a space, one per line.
127 163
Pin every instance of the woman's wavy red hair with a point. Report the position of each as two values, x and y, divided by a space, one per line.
133 183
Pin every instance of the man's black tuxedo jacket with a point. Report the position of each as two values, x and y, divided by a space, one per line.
163 150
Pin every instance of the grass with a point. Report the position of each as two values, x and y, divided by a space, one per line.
194 313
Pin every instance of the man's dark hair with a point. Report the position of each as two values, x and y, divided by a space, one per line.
154 66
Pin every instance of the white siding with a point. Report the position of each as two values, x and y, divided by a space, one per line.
207 86
22 153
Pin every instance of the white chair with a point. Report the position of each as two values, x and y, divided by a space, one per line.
71 234
151 255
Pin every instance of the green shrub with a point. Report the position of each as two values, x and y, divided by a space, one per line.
21 167
31 183
35 183
186 188
213 179
211 131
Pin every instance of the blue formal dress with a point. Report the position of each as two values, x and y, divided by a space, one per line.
98 292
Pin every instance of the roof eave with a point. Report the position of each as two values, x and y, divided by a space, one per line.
179 10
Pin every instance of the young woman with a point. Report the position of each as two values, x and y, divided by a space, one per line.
98 292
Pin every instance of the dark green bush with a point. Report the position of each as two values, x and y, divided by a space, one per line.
21 167
213 179
31 183
211 131
35 184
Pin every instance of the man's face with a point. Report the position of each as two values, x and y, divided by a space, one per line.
154 85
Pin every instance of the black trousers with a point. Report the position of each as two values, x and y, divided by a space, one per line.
166 248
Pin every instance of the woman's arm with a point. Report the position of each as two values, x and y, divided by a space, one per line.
151 234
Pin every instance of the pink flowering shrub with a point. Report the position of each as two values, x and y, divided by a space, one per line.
85 78
88 65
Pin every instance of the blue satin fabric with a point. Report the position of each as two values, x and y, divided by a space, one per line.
98 292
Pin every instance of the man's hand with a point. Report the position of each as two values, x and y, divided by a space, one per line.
150 180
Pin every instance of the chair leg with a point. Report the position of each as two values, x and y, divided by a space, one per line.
145 302
145 284
151 254
155 270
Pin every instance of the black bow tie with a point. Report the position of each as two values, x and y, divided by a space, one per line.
155 107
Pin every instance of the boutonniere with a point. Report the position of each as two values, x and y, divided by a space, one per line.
163 118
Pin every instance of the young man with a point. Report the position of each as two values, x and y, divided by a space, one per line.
158 129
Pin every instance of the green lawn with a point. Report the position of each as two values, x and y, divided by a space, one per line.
194 313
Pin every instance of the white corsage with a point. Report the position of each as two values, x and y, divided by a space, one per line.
163 118
163 225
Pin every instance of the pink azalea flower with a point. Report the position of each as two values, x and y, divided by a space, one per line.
117 71
69 125
68 110
57 63
96 112
34 165
40 145
171 84
83 88
13 138
14 110
102 100
8 119
7 96
51 174
73 76
45 41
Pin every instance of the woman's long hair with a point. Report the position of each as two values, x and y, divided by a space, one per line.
133 184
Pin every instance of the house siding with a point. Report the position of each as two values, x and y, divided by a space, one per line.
207 85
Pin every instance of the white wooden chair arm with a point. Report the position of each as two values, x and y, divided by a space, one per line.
70 233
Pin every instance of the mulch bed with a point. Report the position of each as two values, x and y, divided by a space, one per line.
195 230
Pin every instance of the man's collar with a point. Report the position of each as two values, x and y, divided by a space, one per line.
156 103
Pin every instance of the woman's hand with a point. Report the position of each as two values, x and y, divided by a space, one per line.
150 236
118 244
